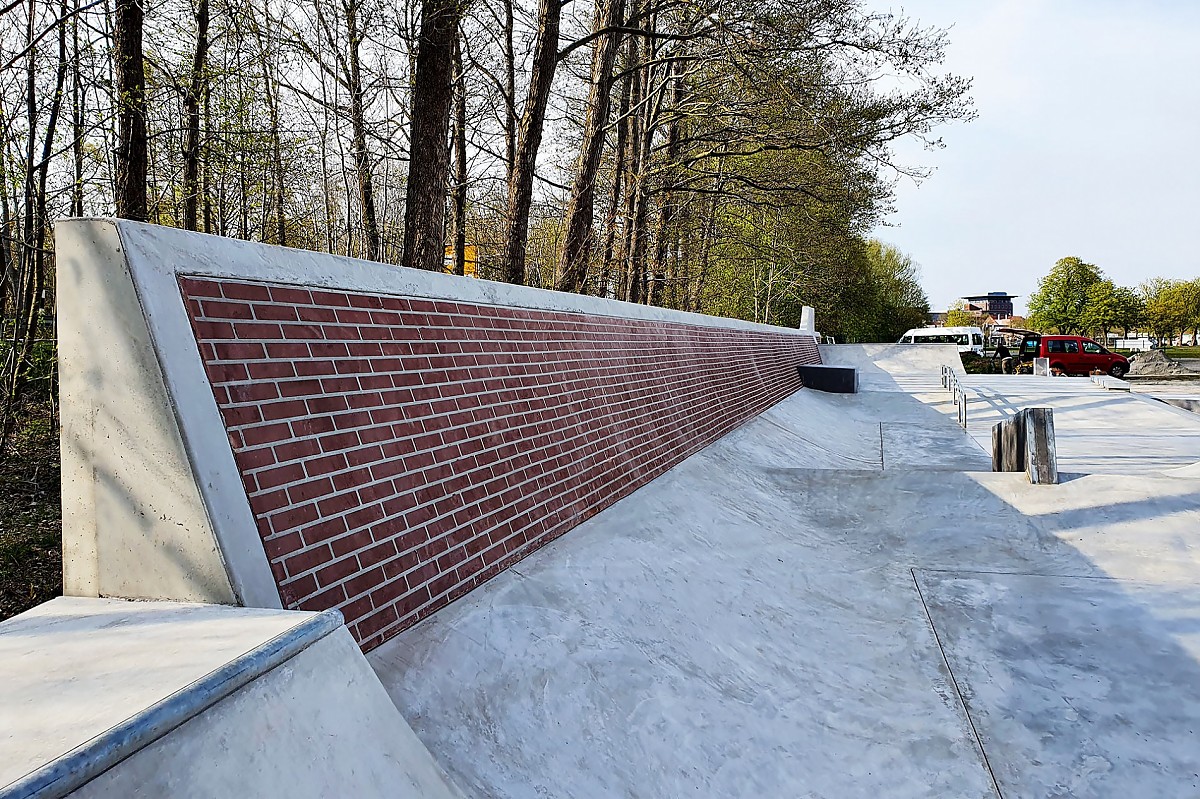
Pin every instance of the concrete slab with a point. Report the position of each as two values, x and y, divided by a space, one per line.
73 668
716 642
107 699
894 367
1097 431
1078 687
752 624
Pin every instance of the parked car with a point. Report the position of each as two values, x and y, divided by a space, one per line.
968 339
1073 355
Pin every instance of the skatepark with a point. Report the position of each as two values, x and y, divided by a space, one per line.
590 549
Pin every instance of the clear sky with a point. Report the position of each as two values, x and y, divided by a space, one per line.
1087 143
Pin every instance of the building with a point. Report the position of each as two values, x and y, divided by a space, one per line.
996 304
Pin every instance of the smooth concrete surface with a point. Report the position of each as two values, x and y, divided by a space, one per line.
73 668
1078 686
894 367
134 524
779 616
110 698
318 726
1096 431
1183 394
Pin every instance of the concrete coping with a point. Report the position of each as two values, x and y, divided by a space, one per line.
66 773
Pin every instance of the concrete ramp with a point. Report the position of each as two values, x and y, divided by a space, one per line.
108 699
894 367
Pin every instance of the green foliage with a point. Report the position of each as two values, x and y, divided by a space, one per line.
1171 306
959 316
1110 307
897 301
1062 296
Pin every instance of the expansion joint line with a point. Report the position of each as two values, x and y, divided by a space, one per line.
881 466
957 690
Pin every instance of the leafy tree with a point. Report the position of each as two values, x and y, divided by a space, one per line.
1110 306
1171 306
959 316
1062 296
900 302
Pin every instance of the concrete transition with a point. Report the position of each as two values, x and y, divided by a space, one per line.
657 569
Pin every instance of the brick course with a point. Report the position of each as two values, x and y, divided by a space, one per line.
397 452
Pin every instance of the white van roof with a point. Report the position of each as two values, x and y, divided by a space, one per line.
938 331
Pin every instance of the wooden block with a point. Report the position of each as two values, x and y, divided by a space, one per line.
1041 460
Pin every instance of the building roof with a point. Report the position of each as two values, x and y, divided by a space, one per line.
991 295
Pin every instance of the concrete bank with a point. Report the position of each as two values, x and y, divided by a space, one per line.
109 699
777 617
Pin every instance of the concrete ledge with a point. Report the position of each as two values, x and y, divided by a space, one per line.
1111 383
65 624
833 379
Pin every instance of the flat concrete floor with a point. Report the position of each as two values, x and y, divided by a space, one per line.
835 600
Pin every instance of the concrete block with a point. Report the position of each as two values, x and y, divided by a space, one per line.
833 379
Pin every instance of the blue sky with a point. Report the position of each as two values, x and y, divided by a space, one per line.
1087 143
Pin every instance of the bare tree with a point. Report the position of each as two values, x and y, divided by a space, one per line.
529 139
132 150
192 103
572 269
429 158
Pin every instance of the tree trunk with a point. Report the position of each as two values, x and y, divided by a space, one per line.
667 208
131 152
362 164
275 178
529 140
429 157
76 120
614 203
572 268
510 99
633 170
191 106
459 196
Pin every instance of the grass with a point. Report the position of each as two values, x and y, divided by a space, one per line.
30 515
1176 353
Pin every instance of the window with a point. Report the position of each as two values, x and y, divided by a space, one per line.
977 339
962 339
1030 346
1092 348
1071 347
1055 346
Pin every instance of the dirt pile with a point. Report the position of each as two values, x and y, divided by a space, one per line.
1155 363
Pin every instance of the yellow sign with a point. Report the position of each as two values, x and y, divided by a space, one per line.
469 259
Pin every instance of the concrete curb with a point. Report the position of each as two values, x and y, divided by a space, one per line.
75 768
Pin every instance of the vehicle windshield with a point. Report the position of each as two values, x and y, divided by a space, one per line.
942 338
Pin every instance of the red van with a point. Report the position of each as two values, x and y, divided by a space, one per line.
1073 355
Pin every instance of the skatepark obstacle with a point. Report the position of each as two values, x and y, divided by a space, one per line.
246 424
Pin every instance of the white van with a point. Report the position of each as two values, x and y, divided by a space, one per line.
968 339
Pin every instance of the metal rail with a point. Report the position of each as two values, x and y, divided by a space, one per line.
951 383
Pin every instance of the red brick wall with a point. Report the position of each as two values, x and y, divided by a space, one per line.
398 452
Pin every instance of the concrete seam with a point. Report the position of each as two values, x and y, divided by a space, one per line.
1032 574
954 681
882 467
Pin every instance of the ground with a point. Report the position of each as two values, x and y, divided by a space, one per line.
30 515
840 599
